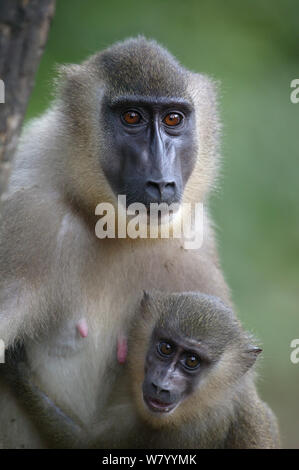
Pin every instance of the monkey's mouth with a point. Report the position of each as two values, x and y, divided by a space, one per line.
158 406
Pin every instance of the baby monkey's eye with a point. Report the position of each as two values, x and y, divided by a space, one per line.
131 117
191 361
165 349
173 119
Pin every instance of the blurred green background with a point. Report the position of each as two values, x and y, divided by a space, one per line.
252 48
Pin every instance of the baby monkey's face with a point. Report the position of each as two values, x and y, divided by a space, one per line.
195 351
173 367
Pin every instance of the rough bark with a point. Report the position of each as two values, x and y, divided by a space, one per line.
24 27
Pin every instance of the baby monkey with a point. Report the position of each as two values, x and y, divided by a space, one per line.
187 382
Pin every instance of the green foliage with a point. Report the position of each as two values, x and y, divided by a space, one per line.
252 48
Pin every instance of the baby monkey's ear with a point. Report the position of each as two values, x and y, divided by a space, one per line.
250 355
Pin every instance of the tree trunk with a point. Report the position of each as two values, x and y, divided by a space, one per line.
24 27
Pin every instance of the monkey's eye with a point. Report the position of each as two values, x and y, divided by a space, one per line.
165 349
173 119
191 361
131 117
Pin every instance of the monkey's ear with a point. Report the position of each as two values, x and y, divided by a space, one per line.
250 354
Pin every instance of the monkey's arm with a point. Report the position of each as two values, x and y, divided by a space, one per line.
60 429
255 428
25 249
34 257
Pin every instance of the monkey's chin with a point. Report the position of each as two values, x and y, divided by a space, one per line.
157 406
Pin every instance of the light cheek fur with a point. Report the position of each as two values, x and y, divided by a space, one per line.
203 92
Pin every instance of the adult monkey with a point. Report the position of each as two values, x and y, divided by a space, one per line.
130 120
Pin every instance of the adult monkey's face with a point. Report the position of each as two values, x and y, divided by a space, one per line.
149 120
151 148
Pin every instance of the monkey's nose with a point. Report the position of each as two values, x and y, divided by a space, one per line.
160 190
160 391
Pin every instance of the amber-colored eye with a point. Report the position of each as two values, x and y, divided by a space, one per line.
165 348
192 361
132 117
172 119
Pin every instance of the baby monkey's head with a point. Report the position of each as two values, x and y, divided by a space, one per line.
186 351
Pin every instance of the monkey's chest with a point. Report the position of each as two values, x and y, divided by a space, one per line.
75 363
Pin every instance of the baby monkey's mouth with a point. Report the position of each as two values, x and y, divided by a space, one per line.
157 405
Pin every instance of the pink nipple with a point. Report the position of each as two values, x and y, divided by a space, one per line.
122 349
82 327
